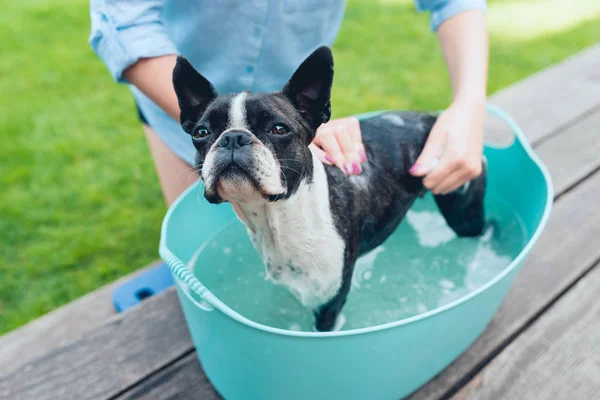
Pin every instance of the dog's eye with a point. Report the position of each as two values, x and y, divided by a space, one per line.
279 130
200 133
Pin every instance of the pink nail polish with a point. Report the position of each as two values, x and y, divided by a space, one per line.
363 156
348 169
329 159
415 168
356 168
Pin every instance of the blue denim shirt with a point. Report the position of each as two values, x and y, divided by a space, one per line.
236 44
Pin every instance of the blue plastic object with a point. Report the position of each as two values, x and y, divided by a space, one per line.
247 360
147 284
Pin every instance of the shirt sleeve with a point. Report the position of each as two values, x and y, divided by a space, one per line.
123 31
441 10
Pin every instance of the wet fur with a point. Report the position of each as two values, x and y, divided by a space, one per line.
368 207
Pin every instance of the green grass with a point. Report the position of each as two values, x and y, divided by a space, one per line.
80 203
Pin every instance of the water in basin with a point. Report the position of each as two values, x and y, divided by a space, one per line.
421 266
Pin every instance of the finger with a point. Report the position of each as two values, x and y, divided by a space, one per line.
432 151
452 182
320 131
442 170
352 162
321 155
330 145
356 136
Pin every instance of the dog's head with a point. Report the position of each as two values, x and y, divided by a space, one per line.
253 146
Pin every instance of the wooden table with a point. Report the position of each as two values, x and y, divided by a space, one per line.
544 343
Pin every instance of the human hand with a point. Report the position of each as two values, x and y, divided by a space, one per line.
452 154
339 142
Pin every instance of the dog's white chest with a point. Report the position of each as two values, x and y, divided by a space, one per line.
298 242
309 264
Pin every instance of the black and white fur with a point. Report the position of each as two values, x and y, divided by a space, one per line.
308 221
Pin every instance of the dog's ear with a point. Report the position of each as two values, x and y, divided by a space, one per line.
194 93
309 89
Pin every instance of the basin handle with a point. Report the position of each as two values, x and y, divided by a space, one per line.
514 127
188 282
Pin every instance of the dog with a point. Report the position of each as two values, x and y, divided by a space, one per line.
309 221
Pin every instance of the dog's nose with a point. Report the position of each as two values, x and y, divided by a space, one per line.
234 140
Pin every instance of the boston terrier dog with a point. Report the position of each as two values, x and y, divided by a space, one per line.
309 221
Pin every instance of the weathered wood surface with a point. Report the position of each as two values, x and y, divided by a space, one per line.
60 326
183 380
574 153
552 99
106 361
152 339
558 358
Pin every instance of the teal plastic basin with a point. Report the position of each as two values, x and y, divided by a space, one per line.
246 360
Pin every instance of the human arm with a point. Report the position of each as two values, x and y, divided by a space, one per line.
457 136
130 38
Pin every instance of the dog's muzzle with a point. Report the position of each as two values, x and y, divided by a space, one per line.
234 140
233 149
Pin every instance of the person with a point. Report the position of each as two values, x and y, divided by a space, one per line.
257 45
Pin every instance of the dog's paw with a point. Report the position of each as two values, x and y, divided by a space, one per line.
329 324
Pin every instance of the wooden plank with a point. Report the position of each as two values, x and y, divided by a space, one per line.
104 362
60 326
568 247
557 358
574 153
551 99
183 380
